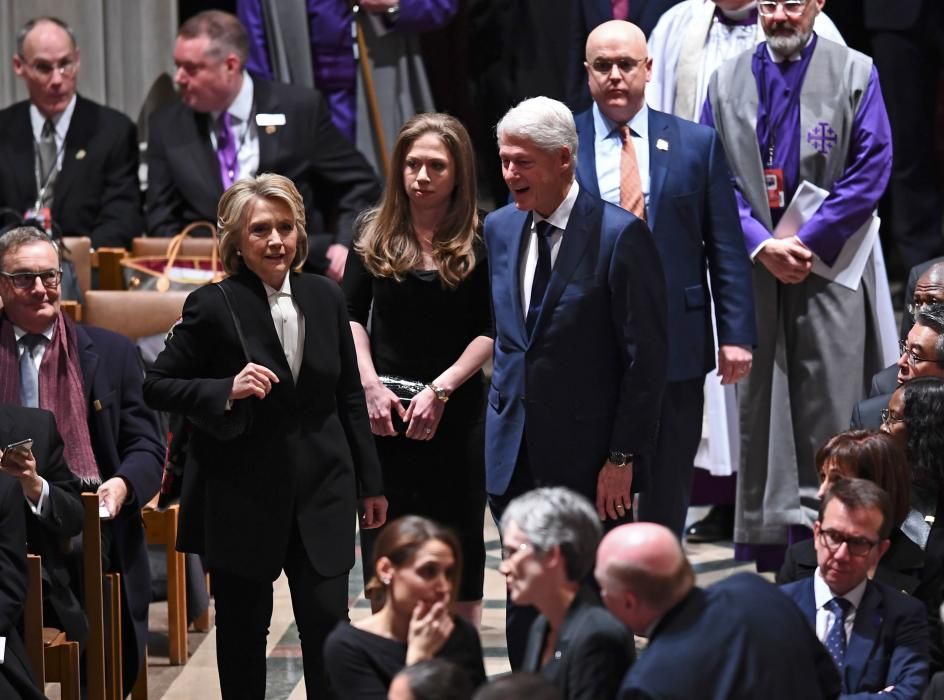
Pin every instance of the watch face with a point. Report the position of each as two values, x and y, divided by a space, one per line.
619 458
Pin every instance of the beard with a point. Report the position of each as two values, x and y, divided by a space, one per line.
786 45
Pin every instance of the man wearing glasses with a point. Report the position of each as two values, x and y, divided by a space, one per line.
922 355
800 108
876 635
68 162
90 379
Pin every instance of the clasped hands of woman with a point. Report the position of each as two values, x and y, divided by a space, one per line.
421 417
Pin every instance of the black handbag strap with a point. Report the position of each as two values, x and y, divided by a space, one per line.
239 328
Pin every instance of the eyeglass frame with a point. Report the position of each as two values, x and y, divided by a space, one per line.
67 67
630 64
31 276
913 359
852 543
510 552
887 418
791 8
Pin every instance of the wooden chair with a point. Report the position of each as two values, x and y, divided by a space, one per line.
80 253
133 314
160 527
54 658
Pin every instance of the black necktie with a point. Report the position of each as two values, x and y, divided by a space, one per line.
542 273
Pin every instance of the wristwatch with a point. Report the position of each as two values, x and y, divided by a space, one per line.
439 391
620 459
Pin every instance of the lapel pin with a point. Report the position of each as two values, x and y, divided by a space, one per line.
270 130
662 145
80 154
97 404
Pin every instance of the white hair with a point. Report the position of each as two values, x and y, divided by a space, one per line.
547 123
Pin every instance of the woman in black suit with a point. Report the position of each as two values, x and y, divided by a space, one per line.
263 365
550 538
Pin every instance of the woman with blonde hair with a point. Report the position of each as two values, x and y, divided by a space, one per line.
281 457
419 281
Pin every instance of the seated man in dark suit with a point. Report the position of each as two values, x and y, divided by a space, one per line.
925 286
877 636
229 126
922 355
16 677
739 638
91 380
53 508
62 153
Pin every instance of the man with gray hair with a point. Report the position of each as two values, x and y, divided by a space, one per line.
550 537
229 126
67 161
580 320
739 638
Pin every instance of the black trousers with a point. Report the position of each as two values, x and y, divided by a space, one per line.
518 618
243 614
666 498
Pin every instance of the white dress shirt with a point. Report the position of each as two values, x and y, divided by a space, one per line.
529 261
608 148
244 129
38 352
289 324
824 617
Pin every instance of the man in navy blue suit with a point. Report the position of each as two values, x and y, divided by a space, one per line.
580 347
688 203
90 379
877 636
711 643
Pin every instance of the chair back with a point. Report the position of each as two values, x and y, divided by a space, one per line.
133 314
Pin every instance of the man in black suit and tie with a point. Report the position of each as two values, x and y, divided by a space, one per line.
740 638
228 126
52 505
64 156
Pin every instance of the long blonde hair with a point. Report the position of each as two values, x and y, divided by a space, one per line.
386 241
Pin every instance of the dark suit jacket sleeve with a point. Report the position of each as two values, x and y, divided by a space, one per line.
63 513
728 263
164 203
351 181
140 444
638 306
12 555
855 423
119 218
352 409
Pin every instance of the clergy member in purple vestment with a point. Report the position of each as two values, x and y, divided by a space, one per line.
813 111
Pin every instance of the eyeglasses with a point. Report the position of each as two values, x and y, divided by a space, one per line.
793 8
888 417
508 552
856 546
913 359
26 280
603 66
45 70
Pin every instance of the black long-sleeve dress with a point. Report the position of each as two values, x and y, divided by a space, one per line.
418 328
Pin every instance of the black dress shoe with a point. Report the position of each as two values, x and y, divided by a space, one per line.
717 526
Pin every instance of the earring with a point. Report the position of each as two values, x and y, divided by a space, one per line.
239 253
385 581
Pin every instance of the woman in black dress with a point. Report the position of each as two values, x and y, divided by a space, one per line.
419 281
417 565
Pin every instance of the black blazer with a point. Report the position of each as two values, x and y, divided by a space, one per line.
335 181
16 678
97 193
62 513
895 16
307 455
867 414
592 653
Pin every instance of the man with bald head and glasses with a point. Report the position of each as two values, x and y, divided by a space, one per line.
876 635
922 355
68 162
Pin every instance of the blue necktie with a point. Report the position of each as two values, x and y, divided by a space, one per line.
29 374
542 273
836 637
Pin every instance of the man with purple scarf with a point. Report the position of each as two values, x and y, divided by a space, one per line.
800 107
90 379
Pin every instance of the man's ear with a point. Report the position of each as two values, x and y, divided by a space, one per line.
883 547
18 65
